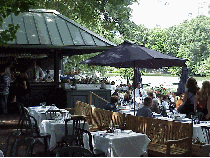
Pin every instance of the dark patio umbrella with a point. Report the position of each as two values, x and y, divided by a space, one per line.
128 55
183 80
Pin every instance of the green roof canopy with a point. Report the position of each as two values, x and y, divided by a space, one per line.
42 30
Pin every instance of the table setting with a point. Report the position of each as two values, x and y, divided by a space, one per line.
120 143
39 112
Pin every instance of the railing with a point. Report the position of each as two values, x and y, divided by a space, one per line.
91 97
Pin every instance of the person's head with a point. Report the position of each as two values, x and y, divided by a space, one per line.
112 83
148 101
205 89
138 85
173 94
150 94
192 85
128 92
165 97
114 99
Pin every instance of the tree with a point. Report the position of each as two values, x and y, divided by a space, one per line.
8 7
104 17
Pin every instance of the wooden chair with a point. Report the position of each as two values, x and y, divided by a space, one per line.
78 122
206 133
23 115
32 130
78 110
11 138
80 142
131 123
103 119
169 138
74 151
118 119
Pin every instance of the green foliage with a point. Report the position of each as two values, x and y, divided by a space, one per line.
8 7
104 17
73 65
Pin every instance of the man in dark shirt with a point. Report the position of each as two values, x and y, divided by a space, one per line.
111 106
4 89
145 111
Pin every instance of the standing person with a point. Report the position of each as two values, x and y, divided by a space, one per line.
22 88
4 89
145 111
111 106
190 94
202 97
113 87
8 67
139 92
35 73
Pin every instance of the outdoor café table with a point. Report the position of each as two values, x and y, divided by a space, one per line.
123 144
57 130
38 112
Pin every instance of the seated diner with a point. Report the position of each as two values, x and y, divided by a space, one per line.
145 111
111 106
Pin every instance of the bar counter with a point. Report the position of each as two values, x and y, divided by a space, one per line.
50 93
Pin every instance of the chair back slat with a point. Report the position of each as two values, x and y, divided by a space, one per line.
118 119
103 118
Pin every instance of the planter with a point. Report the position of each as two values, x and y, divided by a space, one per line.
87 86
200 150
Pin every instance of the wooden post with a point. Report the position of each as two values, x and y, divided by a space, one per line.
91 98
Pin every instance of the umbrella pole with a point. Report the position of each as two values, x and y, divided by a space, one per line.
134 88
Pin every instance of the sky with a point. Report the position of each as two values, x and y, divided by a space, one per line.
165 13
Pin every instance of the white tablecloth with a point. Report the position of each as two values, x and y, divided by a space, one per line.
38 112
197 131
57 130
122 144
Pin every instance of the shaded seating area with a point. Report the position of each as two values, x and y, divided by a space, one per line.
168 138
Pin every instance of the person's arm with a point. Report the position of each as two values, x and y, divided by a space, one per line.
185 96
